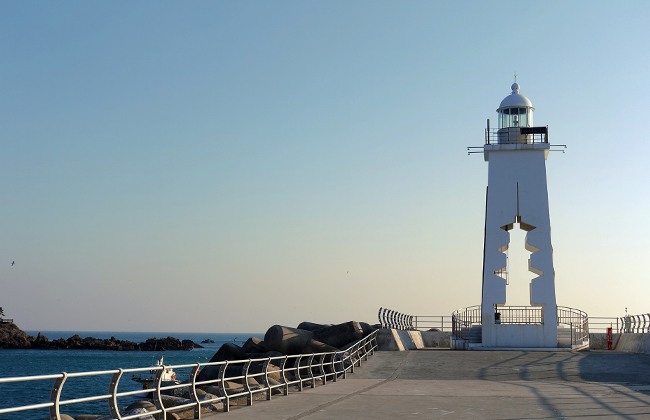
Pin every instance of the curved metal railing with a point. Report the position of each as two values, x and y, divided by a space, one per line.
462 322
465 321
624 324
395 320
639 324
578 322
294 370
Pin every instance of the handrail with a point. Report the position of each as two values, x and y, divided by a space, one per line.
578 322
600 324
639 324
432 322
395 320
464 319
519 314
320 366
516 135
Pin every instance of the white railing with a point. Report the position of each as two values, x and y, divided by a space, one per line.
432 322
294 370
463 321
389 318
466 320
600 324
399 321
639 324
578 322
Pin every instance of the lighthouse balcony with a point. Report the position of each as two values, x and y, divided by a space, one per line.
517 135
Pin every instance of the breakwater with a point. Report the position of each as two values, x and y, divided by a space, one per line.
233 382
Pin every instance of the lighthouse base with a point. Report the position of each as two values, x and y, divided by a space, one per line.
519 328
519 335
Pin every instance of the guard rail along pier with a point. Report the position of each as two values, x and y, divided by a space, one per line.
295 372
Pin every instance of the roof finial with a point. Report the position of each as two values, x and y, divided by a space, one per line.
515 86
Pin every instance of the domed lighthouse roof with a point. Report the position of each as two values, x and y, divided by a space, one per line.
515 99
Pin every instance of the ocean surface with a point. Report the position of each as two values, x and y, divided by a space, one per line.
15 363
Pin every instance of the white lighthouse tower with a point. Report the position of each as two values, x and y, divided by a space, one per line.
517 198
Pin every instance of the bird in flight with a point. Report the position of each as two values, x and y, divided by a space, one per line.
13 262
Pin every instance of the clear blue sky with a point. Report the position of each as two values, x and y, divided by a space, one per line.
225 166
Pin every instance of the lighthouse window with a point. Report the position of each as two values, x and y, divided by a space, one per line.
522 118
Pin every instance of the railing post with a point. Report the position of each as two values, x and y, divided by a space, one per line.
193 374
222 387
298 372
283 374
55 395
157 398
322 368
247 386
112 402
310 363
267 384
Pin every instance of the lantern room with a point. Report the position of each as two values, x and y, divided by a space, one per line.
515 110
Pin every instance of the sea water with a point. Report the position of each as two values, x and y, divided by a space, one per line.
15 363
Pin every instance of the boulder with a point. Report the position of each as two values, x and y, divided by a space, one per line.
339 335
273 371
312 326
315 346
62 417
254 345
274 382
287 340
170 401
146 404
232 386
367 328
228 351
211 389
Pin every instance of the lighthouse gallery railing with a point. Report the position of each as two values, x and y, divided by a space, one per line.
578 321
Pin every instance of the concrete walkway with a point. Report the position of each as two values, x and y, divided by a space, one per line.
445 384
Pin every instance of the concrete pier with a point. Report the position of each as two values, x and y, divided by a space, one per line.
445 384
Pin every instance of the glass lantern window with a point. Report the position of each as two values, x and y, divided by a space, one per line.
515 117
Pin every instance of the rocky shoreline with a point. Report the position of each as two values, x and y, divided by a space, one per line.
12 337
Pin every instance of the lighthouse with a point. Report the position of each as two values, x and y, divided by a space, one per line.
517 198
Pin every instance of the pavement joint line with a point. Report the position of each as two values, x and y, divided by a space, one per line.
345 397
